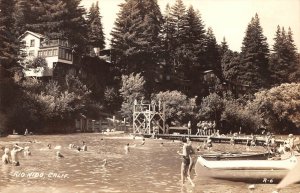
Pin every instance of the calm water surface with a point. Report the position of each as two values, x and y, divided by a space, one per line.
149 168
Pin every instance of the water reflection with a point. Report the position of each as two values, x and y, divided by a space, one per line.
146 168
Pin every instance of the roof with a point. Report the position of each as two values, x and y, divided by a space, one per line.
32 33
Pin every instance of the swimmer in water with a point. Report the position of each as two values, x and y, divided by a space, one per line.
104 163
126 148
49 146
14 154
84 147
27 151
5 158
59 155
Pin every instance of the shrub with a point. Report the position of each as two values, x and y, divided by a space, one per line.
178 106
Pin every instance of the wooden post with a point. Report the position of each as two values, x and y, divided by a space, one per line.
81 124
125 129
87 125
93 125
100 125
114 123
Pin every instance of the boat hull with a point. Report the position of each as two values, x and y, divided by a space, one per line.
259 171
236 156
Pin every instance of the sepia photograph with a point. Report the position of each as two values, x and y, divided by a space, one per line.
150 96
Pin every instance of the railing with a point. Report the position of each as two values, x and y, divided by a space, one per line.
51 43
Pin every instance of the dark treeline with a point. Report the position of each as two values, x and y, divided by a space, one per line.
169 50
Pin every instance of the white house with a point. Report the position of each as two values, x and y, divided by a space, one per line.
53 50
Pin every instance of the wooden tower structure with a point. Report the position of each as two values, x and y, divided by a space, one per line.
149 118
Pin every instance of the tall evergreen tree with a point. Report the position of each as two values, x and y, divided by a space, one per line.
283 61
95 35
253 69
23 15
59 19
135 38
212 54
167 47
192 50
230 63
223 47
177 22
8 38
187 44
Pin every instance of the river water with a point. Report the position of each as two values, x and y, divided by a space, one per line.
153 167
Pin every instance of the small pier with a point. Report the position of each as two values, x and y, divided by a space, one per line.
260 140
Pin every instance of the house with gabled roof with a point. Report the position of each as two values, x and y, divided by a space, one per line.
55 51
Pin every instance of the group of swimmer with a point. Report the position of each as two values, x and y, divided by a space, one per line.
13 158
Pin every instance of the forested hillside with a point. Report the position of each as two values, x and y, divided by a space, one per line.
155 54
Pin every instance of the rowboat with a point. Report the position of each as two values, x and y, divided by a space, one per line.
236 156
264 171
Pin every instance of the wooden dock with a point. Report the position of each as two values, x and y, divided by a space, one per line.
260 140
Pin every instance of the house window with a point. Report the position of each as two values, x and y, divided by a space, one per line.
31 53
54 52
49 52
62 54
45 53
70 57
32 43
40 53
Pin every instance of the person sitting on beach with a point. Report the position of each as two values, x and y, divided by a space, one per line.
5 158
84 146
126 148
14 154
187 161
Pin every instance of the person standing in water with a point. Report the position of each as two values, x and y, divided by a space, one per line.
187 161
5 158
84 147
14 154
126 148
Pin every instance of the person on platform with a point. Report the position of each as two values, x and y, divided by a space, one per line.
189 125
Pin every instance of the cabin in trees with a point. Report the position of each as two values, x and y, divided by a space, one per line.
214 84
54 51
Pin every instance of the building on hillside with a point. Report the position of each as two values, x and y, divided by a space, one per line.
214 84
55 51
